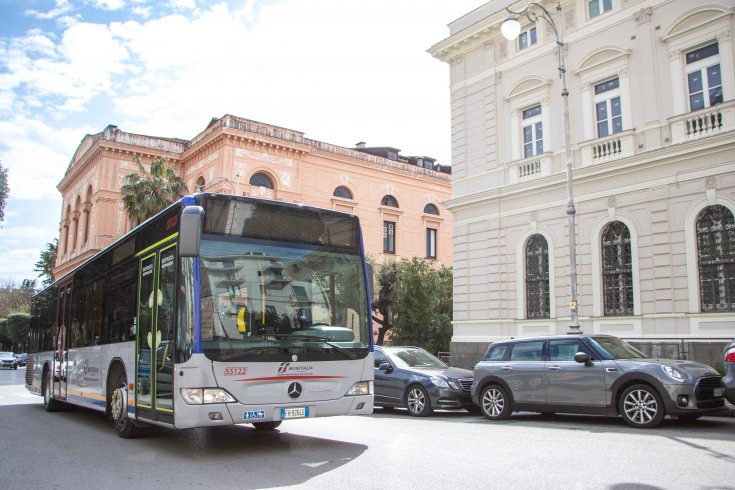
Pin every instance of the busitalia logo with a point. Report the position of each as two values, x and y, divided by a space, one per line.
285 368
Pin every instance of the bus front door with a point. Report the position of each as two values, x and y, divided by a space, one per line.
155 334
61 346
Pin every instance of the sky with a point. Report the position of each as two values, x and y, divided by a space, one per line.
341 71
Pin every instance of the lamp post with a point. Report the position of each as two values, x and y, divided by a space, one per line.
511 28
216 180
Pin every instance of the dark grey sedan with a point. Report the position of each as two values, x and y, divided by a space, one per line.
728 382
411 377
592 374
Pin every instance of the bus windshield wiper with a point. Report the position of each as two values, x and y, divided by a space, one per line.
324 340
243 354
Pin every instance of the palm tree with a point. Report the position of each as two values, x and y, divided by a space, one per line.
148 192
46 262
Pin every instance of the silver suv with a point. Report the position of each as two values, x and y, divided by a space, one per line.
592 374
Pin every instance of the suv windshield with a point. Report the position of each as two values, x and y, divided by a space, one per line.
268 300
415 358
616 348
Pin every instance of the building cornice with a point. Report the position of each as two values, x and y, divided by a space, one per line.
721 143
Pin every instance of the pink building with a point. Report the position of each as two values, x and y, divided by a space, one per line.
397 198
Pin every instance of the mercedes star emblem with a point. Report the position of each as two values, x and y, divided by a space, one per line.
294 390
294 358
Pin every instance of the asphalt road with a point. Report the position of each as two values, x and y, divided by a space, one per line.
79 449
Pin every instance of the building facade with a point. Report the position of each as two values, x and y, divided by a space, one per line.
397 198
652 120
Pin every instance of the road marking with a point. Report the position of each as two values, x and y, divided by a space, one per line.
315 465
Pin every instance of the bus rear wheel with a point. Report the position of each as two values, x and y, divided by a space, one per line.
119 408
49 403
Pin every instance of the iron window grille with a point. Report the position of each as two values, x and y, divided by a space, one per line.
389 237
617 270
537 278
716 258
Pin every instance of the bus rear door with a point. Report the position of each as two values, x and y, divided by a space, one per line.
61 346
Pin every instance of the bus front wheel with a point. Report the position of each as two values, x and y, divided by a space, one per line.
119 407
266 425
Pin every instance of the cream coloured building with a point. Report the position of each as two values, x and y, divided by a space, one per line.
652 118
397 198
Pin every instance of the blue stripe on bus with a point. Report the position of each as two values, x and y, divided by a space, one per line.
197 312
367 289
92 401
87 401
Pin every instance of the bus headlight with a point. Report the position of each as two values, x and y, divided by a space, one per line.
206 396
360 388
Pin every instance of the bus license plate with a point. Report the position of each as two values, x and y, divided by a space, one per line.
294 413
717 392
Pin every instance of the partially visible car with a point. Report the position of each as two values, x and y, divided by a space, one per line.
592 374
22 359
8 360
413 378
728 382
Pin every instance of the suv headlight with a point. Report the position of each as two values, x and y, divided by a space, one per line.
437 381
206 396
360 388
674 374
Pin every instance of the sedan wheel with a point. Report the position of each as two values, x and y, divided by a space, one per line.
417 401
641 406
495 403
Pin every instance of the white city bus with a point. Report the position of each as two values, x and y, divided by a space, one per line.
219 310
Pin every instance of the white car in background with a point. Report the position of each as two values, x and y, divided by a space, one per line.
8 360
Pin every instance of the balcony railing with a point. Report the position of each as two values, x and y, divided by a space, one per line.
703 123
529 168
619 145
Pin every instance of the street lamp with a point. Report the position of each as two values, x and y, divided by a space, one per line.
216 180
511 28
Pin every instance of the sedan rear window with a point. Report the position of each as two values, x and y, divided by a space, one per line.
528 351
496 352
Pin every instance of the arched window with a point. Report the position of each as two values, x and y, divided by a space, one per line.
261 180
65 225
537 277
617 270
342 192
431 209
389 201
87 209
716 258
75 222
199 184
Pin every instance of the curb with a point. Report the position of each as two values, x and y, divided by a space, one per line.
726 413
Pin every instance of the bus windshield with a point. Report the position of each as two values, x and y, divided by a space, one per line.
268 300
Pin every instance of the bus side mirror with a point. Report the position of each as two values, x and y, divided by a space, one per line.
190 231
